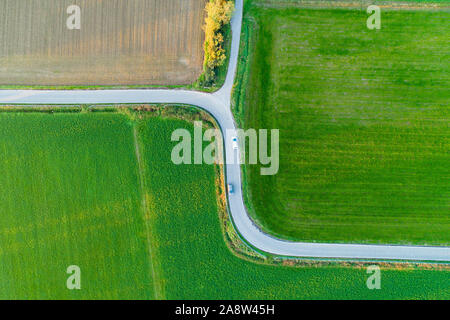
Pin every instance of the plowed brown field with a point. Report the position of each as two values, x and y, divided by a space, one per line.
142 42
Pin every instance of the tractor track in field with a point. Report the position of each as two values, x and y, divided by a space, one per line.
157 289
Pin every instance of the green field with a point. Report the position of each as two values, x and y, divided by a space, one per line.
72 194
68 197
364 123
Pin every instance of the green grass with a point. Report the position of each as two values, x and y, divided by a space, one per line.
336 3
363 119
69 197
71 194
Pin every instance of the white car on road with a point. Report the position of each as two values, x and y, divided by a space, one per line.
234 140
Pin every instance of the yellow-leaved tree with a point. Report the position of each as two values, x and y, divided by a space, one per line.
218 15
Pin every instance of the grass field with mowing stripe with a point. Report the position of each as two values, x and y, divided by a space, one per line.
364 124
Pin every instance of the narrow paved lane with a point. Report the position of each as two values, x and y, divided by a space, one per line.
218 104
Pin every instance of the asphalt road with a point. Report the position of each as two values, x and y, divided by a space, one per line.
218 104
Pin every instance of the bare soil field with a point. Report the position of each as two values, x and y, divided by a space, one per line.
135 42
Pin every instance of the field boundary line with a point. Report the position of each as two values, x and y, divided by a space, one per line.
157 288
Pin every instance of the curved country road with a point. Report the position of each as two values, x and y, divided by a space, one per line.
218 104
